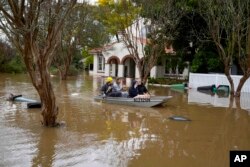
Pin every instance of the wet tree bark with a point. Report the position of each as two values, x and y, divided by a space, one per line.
237 103
64 58
43 85
245 63
49 106
64 70
38 63
241 84
67 63
230 80
140 70
33 27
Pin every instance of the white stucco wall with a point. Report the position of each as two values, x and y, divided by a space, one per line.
95 65
120 70
119 50
107 70
139 28
157 72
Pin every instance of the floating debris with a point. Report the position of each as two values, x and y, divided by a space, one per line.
179 118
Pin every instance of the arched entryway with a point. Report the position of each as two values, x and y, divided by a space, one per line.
113 62
129 66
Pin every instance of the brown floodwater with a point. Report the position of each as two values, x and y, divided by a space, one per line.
104 135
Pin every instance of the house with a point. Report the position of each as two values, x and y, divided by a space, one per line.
114 59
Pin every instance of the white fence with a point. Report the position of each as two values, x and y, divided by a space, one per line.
203 99
196 80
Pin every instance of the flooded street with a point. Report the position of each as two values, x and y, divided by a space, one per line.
104 135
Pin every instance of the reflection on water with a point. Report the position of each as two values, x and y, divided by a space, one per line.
217 101
45 148
98 134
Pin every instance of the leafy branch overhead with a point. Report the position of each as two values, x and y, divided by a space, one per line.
117 15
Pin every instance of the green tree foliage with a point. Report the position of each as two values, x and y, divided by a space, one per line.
165 15
206 61
88 58
81 29
117 15
166 18
228 23
91 32
10 61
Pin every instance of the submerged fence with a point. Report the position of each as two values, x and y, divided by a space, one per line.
204 99
196 80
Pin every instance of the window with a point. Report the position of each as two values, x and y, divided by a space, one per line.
100 62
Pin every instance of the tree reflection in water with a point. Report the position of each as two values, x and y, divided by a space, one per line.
46 148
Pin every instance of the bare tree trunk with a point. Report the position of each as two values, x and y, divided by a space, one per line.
22 24
45 90
64 60
247 70
63 72
140 68
144 79
142 72
67 64
242 82
64 75
49 106
146 73
230 80
231 102
237 103
40 78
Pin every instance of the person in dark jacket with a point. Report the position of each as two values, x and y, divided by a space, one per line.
133 90
141 88
107 89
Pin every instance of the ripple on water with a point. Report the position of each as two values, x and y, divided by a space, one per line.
88 150
98 134
17 146
18 143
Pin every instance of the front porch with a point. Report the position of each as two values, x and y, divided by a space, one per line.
125 67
